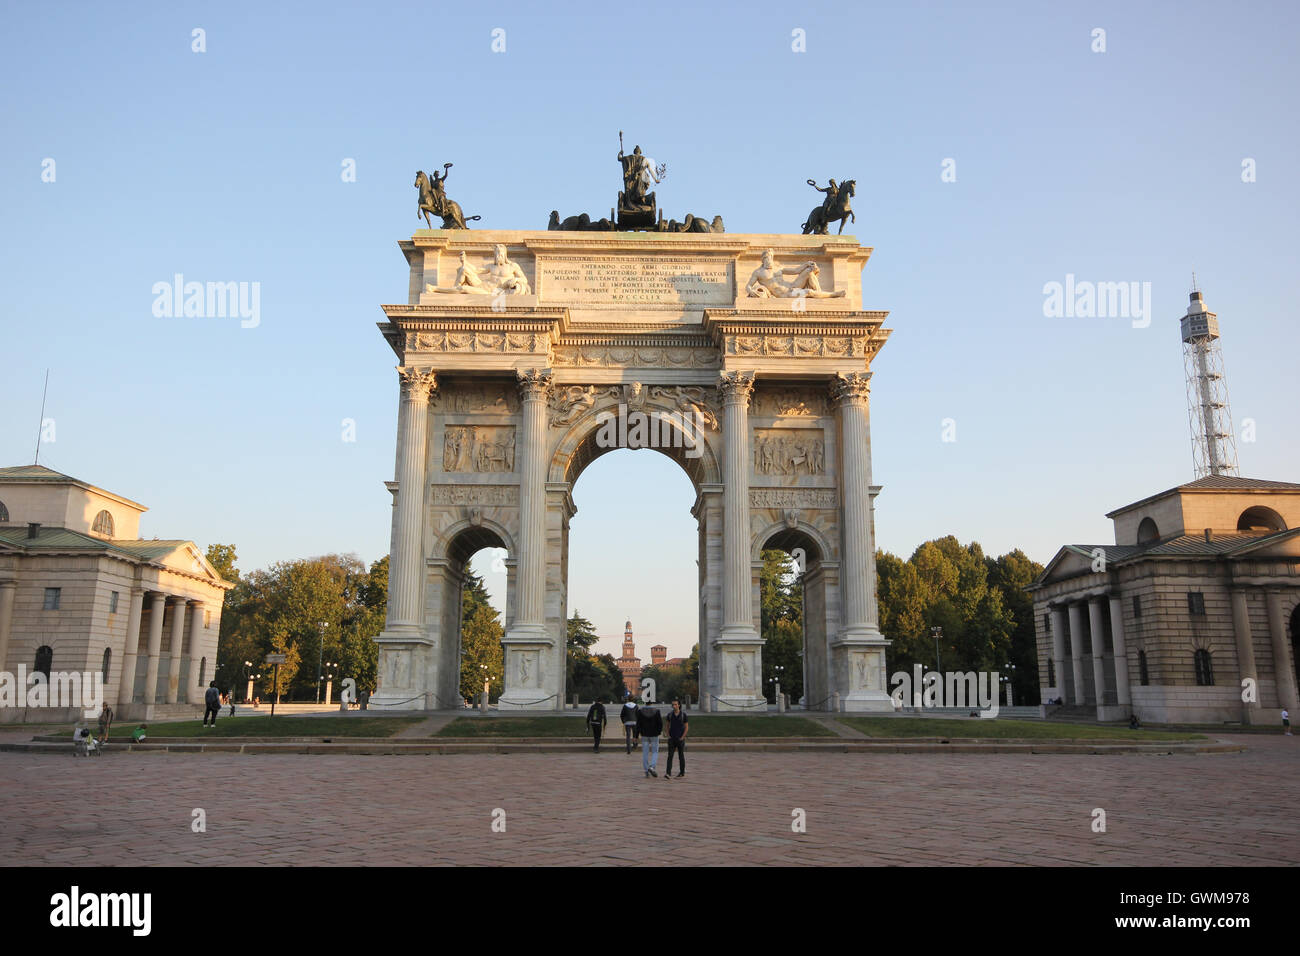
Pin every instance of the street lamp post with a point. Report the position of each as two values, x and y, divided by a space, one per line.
320 655
248 678
938 661
330 671
776 679
484 704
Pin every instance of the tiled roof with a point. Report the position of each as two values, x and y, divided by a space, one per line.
65 539
33 473
1214 483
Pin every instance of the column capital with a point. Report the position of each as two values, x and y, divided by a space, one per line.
851 388
534 383
417 383
736 387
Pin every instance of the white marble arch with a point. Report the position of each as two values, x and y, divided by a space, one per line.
658 323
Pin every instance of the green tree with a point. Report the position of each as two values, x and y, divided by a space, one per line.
1011 574
480 641
222 558
781 605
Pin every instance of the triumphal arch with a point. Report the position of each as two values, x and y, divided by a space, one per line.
525 355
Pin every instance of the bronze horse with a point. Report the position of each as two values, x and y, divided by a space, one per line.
819 220
436 202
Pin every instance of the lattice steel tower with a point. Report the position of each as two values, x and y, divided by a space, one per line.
1214 448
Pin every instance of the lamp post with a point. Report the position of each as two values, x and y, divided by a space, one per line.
938 661
776 679
248 678
483 705
320 655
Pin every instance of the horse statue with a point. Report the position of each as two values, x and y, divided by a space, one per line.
434 200
820 218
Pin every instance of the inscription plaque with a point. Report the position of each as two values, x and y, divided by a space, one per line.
669 281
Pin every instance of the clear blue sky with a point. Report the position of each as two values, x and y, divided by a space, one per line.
225 165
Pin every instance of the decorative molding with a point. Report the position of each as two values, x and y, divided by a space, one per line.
797 346
736 387
534 383
786 498
486 495
851 387
790 402
476 341
633 356
417 383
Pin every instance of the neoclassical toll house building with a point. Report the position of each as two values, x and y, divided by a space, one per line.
81 591
749 356
1192 615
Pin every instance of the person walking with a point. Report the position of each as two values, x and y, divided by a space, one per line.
628 718
1286 722
596 721
650 724
678 725
211 704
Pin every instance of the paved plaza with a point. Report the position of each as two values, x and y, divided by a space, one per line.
580 809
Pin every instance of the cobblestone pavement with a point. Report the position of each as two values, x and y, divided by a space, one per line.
731 808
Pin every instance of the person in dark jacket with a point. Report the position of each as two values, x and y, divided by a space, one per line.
627 716
596 721
678 725
211 704
650 724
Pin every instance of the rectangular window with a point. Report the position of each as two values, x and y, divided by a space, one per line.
52 599
1047 623
112 602
1137 606
1195 603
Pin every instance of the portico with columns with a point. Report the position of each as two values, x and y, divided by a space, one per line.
506 397
81 592
1191 616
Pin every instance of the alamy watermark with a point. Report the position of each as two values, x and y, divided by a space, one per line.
83 689
1098 300
953 689
654 429
208 300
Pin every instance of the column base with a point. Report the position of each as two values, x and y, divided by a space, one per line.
858 671
740 659
528 683
402 670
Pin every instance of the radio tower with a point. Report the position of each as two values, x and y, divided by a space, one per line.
1214 448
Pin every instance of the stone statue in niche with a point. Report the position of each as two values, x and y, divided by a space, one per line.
478 448
766 281
793 454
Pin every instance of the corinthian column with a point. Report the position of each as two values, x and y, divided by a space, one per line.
737 609
406 574
858 584
530 607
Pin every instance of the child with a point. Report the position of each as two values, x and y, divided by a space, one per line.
139 735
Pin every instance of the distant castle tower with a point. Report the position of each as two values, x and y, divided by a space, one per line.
1214 447
629 665
658 654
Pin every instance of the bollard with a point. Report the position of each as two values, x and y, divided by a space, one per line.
835 702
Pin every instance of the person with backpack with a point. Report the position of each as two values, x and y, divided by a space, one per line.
650 724
628 718
211 704
596 721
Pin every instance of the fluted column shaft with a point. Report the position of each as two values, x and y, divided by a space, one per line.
194 693
1282 664
406 576
177 648
737 609
851 395
7 591
1121 650
530 608
1058 652
126 683
1097 627
157 606
1076 652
